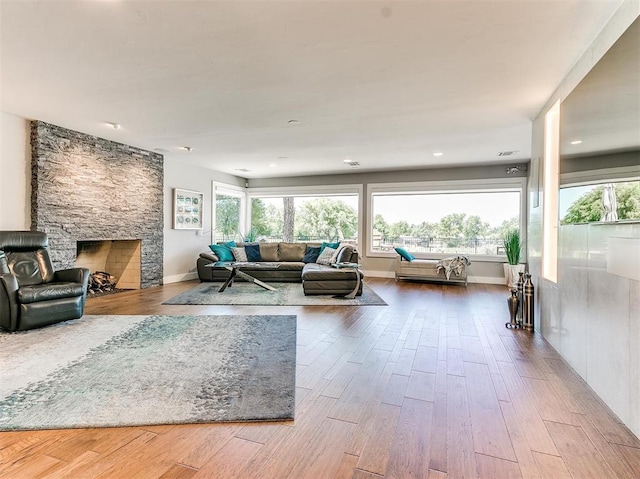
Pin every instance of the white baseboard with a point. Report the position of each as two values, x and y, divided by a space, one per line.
470 279
378 274
176 278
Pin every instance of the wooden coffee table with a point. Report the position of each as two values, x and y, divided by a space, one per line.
235 269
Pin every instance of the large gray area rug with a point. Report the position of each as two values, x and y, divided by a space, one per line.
287 294
101 371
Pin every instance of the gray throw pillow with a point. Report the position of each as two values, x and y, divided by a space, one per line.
327 256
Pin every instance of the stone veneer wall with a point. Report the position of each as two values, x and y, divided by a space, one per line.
87 188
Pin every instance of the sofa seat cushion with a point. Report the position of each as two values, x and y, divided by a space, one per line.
48 291
319 272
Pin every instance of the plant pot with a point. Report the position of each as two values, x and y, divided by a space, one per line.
511 273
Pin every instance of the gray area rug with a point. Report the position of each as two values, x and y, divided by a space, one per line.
102 371
287 294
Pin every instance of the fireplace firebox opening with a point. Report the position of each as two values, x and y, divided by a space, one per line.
118 258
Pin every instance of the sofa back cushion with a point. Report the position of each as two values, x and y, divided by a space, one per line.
269 252
291 251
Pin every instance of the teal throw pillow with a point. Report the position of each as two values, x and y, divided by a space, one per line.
223 251
329 245
405 254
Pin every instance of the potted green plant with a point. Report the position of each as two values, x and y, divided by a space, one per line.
513 249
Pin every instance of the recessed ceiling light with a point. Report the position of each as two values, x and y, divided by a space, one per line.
186 148
347 160
115 126
576 142
438 153
272 165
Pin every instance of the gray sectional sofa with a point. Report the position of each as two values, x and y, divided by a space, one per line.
288 258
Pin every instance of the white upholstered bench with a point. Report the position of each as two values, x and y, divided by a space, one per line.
426 270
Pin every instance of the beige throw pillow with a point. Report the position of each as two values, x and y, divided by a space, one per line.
327 256
239 254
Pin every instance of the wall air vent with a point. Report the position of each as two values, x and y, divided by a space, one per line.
507 153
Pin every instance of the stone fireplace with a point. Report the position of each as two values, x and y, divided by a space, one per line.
88 189
120 258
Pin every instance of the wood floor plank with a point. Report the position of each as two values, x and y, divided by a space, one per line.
409 448
461 462
548 402
631 456
421 386
229 460
347 467
375 453
490 435
178 471
472 351
455 363
396 389
495 468
524 454
323 455
537 435
578 452
617 464
551 466
40 465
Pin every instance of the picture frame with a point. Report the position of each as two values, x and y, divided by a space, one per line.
187 209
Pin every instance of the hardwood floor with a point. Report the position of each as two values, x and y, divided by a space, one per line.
430 386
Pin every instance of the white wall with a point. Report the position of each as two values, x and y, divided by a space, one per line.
15 168
591 317
182 247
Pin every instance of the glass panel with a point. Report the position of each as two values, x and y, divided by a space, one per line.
452 223
227 217
305 218
588 203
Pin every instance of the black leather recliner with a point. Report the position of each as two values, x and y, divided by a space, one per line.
32 294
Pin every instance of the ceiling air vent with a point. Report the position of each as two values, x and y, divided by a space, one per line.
243 170
507 153
353 164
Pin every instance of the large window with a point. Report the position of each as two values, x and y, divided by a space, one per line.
228 212
298 217
434 219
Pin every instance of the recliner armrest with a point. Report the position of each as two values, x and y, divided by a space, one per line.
8 302
72 275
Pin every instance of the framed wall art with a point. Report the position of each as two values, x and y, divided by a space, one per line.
187 209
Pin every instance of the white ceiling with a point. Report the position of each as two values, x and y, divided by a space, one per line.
385 84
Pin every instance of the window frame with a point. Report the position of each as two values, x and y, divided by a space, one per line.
317 190
448 186
228 190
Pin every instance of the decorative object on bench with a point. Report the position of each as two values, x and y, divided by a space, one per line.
512 248
32 294
453 269
293 263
